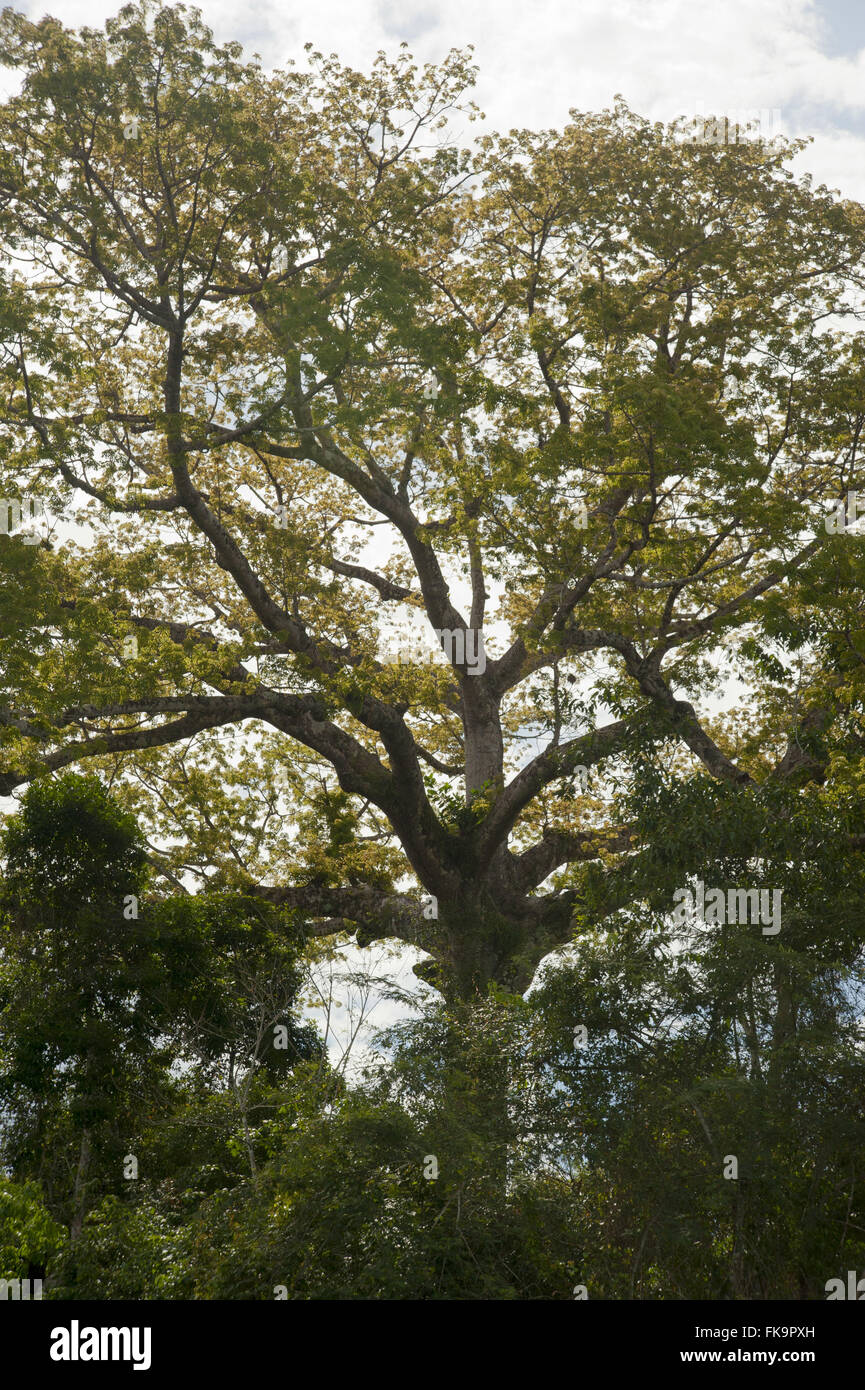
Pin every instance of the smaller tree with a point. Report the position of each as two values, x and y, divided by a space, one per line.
103 996
29 1236
79 1036
228 984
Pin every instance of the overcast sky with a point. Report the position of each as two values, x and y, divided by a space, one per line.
805 58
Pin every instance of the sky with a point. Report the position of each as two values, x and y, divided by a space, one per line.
804 59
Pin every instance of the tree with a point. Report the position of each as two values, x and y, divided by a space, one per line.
103 992
29 1237
78 1038
231 977
305 373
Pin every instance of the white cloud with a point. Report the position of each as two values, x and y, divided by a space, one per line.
537 61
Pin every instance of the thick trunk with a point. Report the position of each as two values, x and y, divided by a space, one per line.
484 746
477 1097
488 931
480 945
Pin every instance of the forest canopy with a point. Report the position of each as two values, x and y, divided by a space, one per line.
449 545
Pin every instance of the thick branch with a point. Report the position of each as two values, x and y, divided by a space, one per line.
559 847
373 913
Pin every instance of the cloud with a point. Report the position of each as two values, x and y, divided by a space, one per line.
803 57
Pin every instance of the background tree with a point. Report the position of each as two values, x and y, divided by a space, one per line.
511 1149
163 1032
29 1238
79 1040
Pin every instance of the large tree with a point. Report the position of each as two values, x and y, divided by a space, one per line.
303 372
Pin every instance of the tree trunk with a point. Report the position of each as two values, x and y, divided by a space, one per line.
478 944
783 1026
477 1095
79 1190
